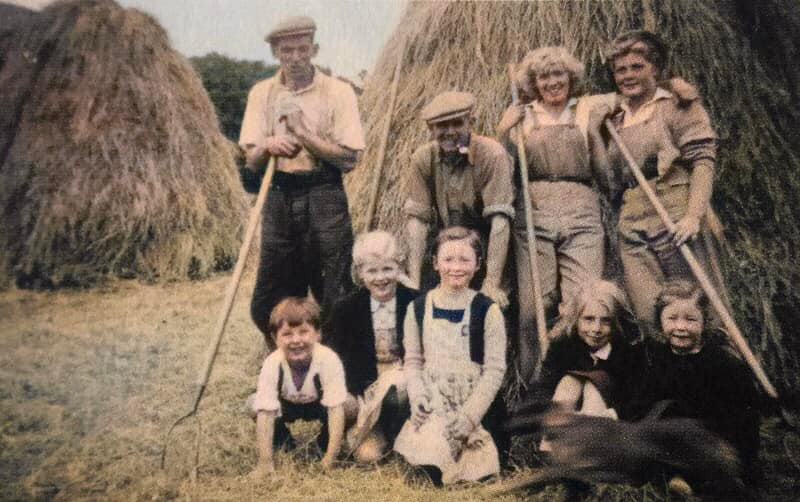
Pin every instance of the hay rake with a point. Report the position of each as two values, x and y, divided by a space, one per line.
717 303
233 287
541 326
376 180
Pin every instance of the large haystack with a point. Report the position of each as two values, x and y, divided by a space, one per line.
739 53
111 158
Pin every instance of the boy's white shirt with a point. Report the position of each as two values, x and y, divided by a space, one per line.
324 362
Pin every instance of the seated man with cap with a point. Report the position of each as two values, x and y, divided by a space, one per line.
459 178
310 123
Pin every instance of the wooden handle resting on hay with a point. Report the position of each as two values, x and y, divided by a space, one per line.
705 283
541 325
233 286
376 180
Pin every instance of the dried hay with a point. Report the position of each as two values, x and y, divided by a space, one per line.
91 383
748 87
111 159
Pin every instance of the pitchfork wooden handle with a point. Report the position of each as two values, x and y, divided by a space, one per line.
701 276
233 286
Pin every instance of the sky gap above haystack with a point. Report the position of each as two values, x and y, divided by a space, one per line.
111 158
350 34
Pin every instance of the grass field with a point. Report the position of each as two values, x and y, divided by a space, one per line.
90 381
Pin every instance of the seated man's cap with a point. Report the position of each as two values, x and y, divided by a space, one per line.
448 105
296 25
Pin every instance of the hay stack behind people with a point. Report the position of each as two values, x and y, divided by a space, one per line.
111 159
741 72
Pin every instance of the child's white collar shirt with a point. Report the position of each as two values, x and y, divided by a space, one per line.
324 363
384 326
602 353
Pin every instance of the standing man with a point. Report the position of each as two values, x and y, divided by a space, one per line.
460 178
310 123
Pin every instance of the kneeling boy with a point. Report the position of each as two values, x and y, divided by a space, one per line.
302 379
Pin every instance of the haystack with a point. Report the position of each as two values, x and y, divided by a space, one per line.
111 158
744 72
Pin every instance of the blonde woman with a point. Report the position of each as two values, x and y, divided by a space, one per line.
563 184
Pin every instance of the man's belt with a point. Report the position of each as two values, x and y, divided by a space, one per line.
325 175
554 178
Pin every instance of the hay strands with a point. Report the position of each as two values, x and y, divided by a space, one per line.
376 179
233 287
537 477
541 326
719 306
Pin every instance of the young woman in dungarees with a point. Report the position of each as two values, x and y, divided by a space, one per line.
672 140
562 182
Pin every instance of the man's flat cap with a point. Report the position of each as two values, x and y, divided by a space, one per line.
448 105
296 25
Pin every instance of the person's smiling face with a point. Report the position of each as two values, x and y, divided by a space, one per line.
594 325
553 86
297 342
456 263
636 78
379 275
682 323
452 134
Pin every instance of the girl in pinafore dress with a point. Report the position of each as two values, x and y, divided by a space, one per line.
455 359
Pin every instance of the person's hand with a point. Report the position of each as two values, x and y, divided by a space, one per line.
255 156
282 145
687 228
413 282
495 293
294 122
328 462
511 117
262 470
682 89
460 427
420 412
598 116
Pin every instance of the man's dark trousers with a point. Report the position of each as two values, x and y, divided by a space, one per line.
306 242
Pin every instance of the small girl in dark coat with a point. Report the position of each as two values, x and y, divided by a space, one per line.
366 330
590 365
693 376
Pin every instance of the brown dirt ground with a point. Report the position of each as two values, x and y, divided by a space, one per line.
91 380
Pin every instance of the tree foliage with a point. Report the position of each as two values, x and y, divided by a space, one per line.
228 81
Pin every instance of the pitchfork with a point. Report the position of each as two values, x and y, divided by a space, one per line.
233 286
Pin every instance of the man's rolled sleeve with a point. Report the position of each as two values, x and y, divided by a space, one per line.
347 130
418 186
693 133
495 171
254 123
267 388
